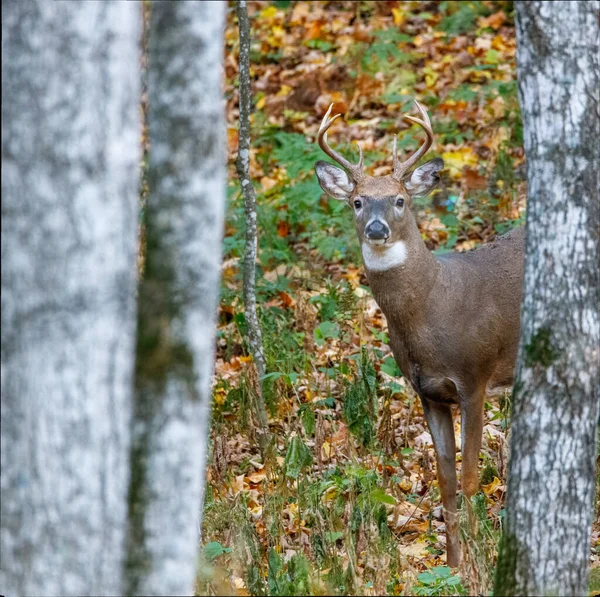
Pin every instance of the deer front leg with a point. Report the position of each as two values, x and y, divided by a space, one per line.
441 427
471 411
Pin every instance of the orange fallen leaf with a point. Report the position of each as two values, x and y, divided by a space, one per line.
283 228
314 31
474 180
286 299
494 21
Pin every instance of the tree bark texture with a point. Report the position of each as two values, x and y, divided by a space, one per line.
251 247
546 541
70 157
178 295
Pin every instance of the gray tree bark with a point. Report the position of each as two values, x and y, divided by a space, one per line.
251 246
70 152
178 295
546 541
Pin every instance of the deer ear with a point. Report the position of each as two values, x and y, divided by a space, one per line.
424 178
334 181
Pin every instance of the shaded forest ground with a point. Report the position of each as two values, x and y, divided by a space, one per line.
348 502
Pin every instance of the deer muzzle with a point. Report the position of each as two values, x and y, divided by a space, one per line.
377 232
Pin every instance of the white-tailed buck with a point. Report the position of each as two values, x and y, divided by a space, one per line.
453 321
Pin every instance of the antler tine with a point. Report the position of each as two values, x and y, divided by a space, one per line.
355 170
400 168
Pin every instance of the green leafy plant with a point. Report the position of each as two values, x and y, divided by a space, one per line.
360 400
439 581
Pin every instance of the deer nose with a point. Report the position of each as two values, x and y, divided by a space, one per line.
377 230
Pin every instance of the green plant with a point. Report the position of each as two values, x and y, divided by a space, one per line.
360 400
460 16
439 581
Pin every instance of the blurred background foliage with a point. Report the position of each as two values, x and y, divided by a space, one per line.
347 502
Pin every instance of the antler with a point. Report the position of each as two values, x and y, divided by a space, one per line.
400 168
355 170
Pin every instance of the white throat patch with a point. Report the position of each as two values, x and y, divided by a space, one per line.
378 259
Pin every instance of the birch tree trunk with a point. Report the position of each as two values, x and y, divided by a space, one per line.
70 152
546 542
251 247
178 295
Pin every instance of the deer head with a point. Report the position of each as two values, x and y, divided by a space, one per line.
381 203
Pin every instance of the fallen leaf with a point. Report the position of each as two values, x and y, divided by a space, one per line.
399 16
494 21
455 161
283 228
257 476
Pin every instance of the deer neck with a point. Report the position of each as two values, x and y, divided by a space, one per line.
401 274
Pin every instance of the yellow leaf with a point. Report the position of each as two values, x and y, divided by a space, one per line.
275 40
329 495
455 161
406 485
285 89
325 450
219 396
256 511
260 104
492 487
430 76
398 16
268 13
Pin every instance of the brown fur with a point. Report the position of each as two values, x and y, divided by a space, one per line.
453 321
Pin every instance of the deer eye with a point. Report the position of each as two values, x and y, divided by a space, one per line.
399 202
357 204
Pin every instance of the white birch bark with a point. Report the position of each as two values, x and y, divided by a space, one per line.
178 295
546 543
251 246
70 152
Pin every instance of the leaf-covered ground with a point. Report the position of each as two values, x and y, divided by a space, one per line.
347 501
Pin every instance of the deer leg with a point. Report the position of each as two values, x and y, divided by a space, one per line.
472 430
441 427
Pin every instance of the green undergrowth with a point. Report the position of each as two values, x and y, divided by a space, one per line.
319 514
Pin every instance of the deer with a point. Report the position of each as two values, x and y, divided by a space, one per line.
453 320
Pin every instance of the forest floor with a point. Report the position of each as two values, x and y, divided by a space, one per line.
346 501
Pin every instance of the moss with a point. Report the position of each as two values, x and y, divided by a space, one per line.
540 350
506 582
489 472
159 353
138 559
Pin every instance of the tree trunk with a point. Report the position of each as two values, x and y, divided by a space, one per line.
251 247
70 153
546 542
178 295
